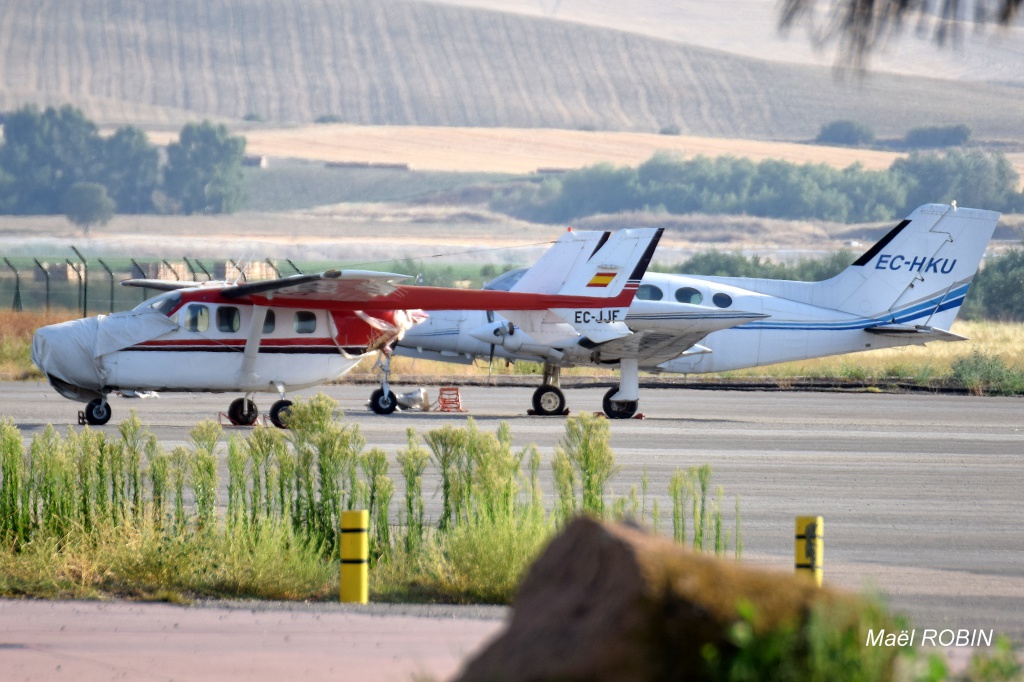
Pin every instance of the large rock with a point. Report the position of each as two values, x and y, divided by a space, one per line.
607 602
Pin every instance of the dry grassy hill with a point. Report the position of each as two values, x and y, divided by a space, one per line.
405 63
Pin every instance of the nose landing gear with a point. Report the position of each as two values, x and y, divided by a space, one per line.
383 401
96 413
548 399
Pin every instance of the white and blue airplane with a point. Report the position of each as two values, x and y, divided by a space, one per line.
907 289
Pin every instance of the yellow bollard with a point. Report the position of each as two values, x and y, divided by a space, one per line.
355 556
810 547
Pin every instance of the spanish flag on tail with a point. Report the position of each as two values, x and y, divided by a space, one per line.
601 279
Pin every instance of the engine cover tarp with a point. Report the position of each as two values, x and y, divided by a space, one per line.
72 351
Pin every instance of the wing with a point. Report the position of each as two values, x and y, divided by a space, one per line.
679 331
333 285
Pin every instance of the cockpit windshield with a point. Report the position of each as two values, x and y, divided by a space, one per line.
164 303
505 281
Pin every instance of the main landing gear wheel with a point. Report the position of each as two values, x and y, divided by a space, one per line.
97 412
243 412
279 413
549 401
383 403
618 409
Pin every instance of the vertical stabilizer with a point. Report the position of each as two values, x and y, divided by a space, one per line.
917 274
603 265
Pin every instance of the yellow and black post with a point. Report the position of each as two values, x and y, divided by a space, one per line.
355 556
810 547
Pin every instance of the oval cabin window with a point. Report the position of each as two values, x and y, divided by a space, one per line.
689 295
649 292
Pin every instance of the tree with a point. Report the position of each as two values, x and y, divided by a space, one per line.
938 136
43 155
846 134
130 170
87 204
204 169
971 178
998 289
859 26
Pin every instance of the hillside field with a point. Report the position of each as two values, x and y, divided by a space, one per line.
398 62
523 150
527 150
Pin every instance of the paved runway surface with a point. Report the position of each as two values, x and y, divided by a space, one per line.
921 494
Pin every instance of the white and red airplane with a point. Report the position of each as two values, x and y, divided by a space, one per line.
286 334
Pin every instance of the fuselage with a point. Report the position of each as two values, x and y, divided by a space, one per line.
171 344
780 330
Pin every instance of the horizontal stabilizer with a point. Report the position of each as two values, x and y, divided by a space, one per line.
926 333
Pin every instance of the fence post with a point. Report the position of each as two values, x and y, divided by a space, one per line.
274 267
202 267
241 271
190 268
171 268
355 556
78 274
142 275
111 273
16 307
85 282
46 275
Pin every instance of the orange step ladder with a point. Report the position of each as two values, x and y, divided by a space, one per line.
449 400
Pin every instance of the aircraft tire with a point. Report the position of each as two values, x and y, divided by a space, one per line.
381 403
549 401
619 409
243 412
97 412
279 413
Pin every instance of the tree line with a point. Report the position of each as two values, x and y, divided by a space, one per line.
54 160
848 133
771 188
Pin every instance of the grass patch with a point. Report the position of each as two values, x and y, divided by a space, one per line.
16 330
87 514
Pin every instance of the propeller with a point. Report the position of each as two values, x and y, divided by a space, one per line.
490 357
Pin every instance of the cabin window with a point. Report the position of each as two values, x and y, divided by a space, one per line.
228 319
722 300
689 295
197 318
269 322
305 322
649 292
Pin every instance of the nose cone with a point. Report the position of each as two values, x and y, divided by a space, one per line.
65 352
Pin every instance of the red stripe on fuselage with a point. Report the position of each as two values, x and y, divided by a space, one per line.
240 343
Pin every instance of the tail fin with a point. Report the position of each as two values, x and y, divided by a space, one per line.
920 271
595 265
916 275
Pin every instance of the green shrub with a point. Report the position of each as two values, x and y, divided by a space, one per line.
938 136
828 645
846 133
90 514
985 374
